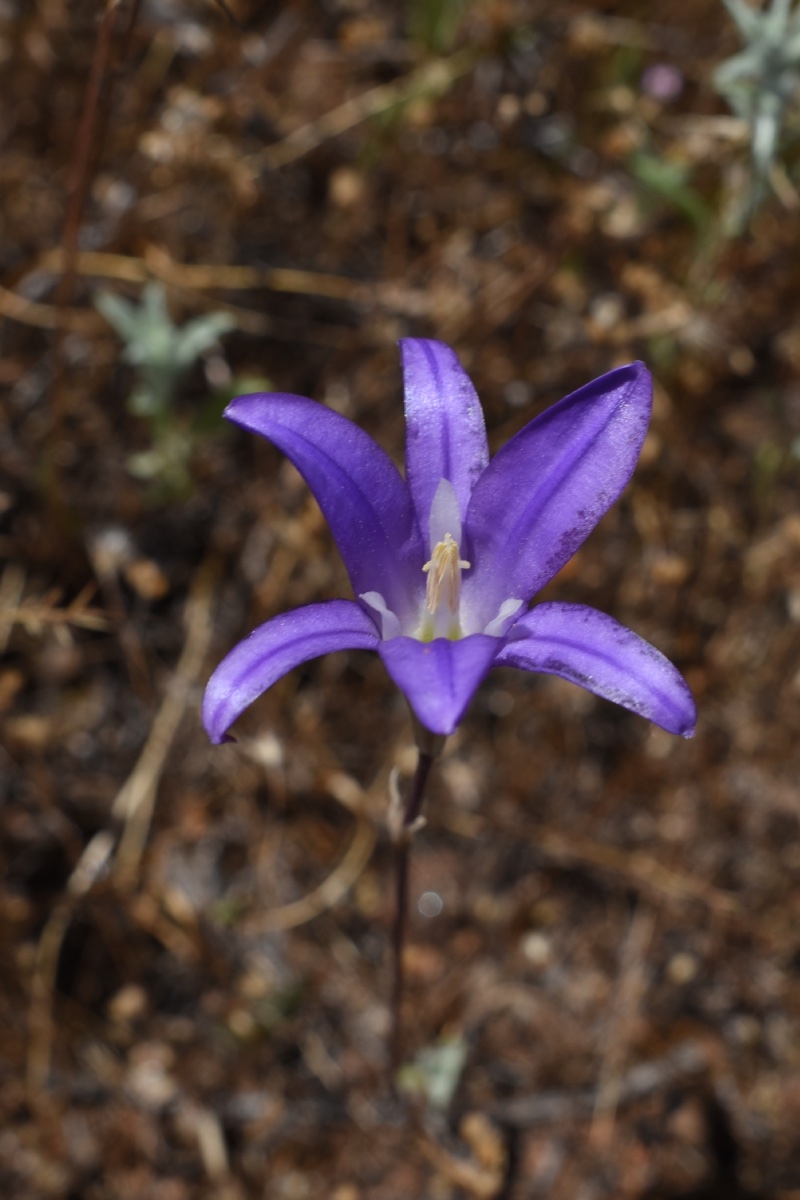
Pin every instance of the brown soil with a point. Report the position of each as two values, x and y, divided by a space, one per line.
182 1013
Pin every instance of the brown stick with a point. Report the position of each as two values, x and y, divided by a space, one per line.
133 807
80 178
84 146
128 34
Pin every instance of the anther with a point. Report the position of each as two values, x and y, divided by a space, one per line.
444 576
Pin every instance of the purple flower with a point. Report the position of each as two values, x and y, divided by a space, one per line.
662 81
444 562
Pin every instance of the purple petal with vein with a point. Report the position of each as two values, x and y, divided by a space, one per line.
362 495
445 431
439 677
547 488
274 648
596 652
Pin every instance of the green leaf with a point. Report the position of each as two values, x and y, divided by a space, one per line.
120 314
669 180
436 1071
434 24
747 20
199 334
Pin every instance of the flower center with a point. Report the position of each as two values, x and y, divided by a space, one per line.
444 577
441 616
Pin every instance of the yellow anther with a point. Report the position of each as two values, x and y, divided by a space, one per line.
444 576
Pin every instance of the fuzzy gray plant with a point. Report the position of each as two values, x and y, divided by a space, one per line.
161 354
762 79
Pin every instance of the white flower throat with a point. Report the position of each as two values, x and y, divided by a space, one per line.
441 616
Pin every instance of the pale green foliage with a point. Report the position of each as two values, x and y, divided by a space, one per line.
436 1071
434 24
670 181
761 80
161 354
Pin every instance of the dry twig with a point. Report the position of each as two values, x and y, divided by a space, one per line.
12 585
195 278
135 801
431 79
91 866
36 615
49 316
630 992
686 1062
134 807
642 871
91 122
498 299
481 1180
329 892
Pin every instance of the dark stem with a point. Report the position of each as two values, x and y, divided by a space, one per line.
93 116
402 847
85 146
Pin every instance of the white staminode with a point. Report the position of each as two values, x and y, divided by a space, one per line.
498 625
390 624
445 515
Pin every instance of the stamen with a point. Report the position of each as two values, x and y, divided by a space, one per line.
444 576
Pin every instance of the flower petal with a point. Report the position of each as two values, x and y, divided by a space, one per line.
274 648
439 678
445 432
547 488
595 651
361 493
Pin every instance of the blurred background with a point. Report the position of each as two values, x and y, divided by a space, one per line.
199 199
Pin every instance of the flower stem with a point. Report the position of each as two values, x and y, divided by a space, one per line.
402 847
